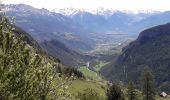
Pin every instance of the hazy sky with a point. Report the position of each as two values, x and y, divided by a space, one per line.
161 5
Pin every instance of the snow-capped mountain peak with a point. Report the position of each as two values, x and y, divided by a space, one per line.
72 11
104 12
100 11
66 11
27 9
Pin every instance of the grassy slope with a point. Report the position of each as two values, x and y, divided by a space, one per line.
80 85
89 73
96 83
160 98
99 66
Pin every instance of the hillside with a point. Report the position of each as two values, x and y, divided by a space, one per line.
67 56
151 49
27 72
76 54
30 41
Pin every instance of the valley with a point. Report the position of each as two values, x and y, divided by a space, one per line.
68 34
78 53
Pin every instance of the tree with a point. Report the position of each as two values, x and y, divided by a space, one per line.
68 71
115 93
23 74
148 84
131 92
89 94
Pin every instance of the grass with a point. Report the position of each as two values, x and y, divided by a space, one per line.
100 65
160 98
89 73
96 83
80 85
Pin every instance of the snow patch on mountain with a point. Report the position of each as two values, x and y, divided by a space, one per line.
100 11
66 11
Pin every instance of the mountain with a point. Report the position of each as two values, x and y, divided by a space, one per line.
66 11
150 49
81 22
67 56
70 11
113 21
83 32
56 34
94 23
156 19
20 32
78 29
103 12
109 20
45 25
30 41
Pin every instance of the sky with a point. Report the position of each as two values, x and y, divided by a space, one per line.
134 5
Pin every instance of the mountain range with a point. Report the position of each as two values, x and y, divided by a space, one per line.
82 24
83 32
45 25
100 11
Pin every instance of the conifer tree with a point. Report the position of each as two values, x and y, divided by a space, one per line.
132 95
148 84
115 93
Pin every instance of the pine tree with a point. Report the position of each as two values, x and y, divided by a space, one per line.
148 84
115 93
132 95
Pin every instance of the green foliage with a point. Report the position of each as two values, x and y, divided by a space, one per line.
79 85
22 74
68 71
131 92
73 71
59 88
89 73
88 94
100 65
115 93
148 85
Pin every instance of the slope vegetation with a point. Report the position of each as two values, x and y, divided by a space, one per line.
150 49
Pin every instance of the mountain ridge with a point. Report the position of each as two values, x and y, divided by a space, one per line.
70 11
35 21
150 49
